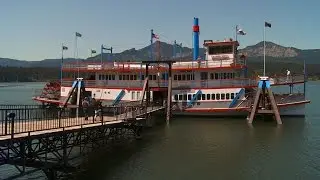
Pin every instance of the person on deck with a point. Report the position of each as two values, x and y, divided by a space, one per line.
288 75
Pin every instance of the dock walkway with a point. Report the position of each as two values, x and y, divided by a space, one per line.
28 123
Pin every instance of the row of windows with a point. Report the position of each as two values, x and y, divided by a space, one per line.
183 77
178 77
222 75
217 96
107 77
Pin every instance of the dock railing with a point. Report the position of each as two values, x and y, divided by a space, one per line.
15 119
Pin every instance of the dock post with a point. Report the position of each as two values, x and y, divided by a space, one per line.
147 86
78 96
263 86
169 94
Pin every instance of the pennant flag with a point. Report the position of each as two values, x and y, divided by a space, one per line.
64 48
93 51
78 34
266 24
155 36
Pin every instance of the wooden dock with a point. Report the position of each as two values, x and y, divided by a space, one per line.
36 127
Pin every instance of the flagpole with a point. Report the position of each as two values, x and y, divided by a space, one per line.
236 32
264 50
61 65
101 55
76 53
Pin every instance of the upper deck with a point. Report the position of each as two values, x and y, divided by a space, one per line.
138 66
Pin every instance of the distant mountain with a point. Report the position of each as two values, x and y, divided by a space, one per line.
274 52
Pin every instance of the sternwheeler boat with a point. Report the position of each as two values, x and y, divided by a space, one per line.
216 85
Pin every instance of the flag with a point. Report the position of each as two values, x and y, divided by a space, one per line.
78 34
93 51
64 48
266 24
240 31
155 36
103 48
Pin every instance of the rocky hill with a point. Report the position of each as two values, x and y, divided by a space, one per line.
272 50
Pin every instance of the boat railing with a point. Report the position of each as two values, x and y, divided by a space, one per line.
219 83
137 65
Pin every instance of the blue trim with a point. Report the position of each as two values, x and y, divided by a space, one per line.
194 98
264 84
235 99
74 84
119 97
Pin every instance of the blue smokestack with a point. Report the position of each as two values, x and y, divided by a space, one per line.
195 38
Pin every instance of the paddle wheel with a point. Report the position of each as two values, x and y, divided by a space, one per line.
51 91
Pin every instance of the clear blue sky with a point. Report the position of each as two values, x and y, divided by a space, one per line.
35 29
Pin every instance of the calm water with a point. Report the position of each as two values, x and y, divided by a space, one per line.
194 148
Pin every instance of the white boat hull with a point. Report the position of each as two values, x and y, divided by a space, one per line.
296 110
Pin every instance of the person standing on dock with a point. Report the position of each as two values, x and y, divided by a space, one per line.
85 105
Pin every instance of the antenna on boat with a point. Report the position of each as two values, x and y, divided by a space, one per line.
174 49
151 42
108 49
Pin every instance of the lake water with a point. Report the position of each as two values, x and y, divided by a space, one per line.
208 148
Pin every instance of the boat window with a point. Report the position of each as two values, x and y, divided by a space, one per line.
131 77
223 96
218 96
134 77
176 97
192 78
133 95
211 76
213 96
150 77
154 77
99 76
224 75
227 95
199 97
232 95
113 77
138 94
179 77
193 96
216 75
188 76
142 77
180 97
220 49
204 75
228 75
203 96
127 77
208 96
185 97
189 96
183 77
120 77
175 77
